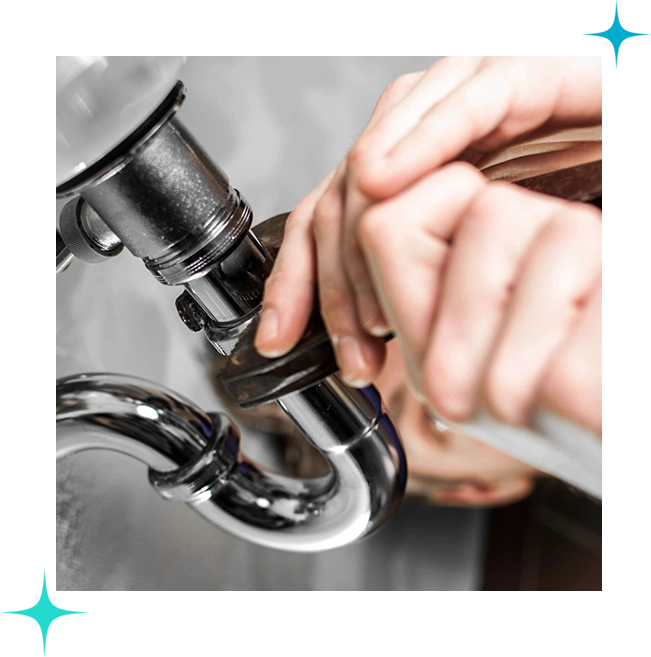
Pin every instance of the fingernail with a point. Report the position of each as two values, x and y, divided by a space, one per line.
351 361
379 330
372 319
267 331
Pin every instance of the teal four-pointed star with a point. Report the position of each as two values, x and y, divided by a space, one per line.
44 612
618 34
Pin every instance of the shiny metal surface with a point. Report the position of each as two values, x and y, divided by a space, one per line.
233 288
85 235
194 457
100 234
172 206
176 210
100 100
169 203
351 429
113 531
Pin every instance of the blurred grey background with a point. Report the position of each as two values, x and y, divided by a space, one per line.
276 126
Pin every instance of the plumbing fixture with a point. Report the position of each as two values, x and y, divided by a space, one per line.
158 194
194 457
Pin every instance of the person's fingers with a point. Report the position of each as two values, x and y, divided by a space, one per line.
393 94
499 103
367 306
489 245
484 492
397 119
459 105
560 271
442 454
409 98
440 459
571 385
406 257
290 288
365 301
359 355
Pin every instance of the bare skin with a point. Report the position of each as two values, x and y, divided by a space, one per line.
444 466
493 292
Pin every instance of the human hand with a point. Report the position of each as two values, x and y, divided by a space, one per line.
458 108
495 300
446 466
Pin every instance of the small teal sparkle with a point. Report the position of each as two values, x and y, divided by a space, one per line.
44 612
618 34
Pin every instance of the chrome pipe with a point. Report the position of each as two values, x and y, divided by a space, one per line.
170 205
194 457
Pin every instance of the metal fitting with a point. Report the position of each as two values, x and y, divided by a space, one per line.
194 457
190 312
172 207
85 235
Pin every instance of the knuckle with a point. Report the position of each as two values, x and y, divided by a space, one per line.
485 219
466 175
554 231
332 297
389 93
375 227
585 215
395 89
573 221
359 160
491 198
325 213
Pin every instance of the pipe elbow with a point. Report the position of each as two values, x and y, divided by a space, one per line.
195 457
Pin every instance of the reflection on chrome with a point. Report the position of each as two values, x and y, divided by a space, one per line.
151 188
194 457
